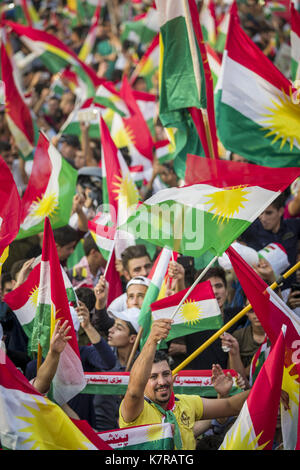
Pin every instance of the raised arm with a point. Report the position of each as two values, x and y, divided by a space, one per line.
133 402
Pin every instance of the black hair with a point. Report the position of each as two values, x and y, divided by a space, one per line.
279 201
65 235
89 244
215 271
5 277
131 252
132 330
5 146
160 356
87 296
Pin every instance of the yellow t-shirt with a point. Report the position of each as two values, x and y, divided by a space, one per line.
188 409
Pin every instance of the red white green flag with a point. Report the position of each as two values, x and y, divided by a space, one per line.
146 437
254 428
295 43
256 113
222 199
148 65
53 305
56 56
49 192
200 311
10 207
272 313
17 113
30 421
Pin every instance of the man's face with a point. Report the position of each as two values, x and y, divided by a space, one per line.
138 267
65 251
8 158
135 295
119 335
271 217
219 290
160 384
8 287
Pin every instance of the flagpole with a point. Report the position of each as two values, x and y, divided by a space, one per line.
232 322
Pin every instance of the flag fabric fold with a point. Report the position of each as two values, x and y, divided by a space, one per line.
256 114
254 428
53 305
49 192
272 313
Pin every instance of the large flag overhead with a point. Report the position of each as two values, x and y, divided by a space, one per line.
295 43
10 207
254 428
49 192
256 114
17 113
272 313
56 56
209 214
200 311
53 305
30 421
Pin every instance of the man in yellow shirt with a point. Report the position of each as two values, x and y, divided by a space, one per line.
149 398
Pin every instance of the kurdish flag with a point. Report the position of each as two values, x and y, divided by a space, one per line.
30 421
23 300
142 29
214 62
10 207
146 437
222 200
55 55
255 426
90 40
295 43
200 311
148 65
157 276
49 192
255 112
103 232
17 113
208 22
272 313
53 305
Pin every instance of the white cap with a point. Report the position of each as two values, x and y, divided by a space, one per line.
248 254
131 315
143 281
276 255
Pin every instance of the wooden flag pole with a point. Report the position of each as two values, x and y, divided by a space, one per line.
231 322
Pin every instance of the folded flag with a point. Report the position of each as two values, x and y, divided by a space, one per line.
254 428
147 437
30 421
10 207
50 190
256 114
295 43
200 311
53 305
272 313
17 113
209 215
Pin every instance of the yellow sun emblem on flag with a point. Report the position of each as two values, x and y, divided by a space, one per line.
234 440
154 432
283 121
45 206
190 312
291 385
33 296
47 428
226 203
126 190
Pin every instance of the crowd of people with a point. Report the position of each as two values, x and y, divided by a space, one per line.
107 333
